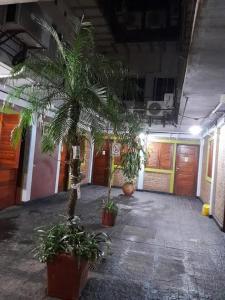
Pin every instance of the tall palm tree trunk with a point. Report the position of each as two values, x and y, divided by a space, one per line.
75 184
110 171
74 193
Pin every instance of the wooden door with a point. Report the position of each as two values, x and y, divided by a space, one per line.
64 170
186 170
101 166
9 160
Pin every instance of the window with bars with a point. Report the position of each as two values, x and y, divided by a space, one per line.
163 86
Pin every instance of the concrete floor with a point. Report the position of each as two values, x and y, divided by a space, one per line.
162 249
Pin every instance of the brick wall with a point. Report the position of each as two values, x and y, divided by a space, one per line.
220 178
205 185
118 178
156 182
85 164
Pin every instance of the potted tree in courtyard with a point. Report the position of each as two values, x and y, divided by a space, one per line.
123 132
131 159
81 89
79 86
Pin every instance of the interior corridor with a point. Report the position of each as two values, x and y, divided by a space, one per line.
162 248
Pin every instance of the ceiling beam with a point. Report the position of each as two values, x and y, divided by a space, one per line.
5 2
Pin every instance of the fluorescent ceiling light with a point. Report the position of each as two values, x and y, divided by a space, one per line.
195 129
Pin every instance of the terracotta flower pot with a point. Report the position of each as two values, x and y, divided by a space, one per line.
108 219
67 277
128 189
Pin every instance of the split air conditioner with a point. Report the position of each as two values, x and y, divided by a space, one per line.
19 24
160 108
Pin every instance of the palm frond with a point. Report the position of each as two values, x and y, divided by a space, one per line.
25 121
85 87
54 34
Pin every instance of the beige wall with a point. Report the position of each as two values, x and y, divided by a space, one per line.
44 171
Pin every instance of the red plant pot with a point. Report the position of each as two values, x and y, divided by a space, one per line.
108 219
128 189
67 277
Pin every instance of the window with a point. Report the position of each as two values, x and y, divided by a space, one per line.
160 156
135 89
161 87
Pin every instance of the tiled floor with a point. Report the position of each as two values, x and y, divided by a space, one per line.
162 249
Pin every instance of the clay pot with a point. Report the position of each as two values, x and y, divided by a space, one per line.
67 277
128 189
108 219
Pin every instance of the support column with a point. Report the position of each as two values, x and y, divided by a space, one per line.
90 165
58 167
26 192
140 179
199 181
214 171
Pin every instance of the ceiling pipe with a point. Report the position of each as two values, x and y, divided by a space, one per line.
219 121
222 101
167 132
185 105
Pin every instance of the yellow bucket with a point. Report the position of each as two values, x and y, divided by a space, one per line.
205 209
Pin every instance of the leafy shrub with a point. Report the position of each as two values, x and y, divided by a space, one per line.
72 239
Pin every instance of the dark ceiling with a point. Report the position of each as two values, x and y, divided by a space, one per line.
143 20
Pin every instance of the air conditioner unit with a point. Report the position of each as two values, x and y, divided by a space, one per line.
169 99
160 108
155 108
19 23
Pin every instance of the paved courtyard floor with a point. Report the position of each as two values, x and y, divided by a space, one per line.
162 248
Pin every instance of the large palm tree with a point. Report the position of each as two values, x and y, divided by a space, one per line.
81 87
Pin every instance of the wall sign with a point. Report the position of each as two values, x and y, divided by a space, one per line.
116 149
76 152
186 158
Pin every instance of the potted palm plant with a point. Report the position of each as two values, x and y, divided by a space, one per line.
80 87
68 250
131 159
125 130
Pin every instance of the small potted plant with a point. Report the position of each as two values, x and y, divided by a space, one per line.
68 250
109 213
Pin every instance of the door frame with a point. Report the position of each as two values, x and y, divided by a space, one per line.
175 165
